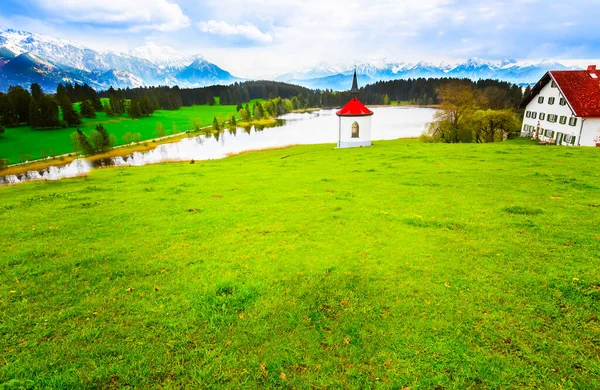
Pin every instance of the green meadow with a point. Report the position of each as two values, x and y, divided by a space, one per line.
24 143
401 265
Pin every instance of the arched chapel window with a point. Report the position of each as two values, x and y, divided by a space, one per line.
355 130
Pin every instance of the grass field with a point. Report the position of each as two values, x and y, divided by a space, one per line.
402 265
24 143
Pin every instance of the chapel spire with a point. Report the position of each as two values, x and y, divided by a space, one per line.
354 90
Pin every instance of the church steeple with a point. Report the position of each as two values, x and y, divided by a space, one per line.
354 90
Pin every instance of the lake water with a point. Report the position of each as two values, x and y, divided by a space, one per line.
317 127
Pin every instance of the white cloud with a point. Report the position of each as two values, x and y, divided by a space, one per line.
247 31
134 15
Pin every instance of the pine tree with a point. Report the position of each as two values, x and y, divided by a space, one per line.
103 142
86 108
135 111
232 121
216 124
108 109
36 92
239 107
70 116
82 142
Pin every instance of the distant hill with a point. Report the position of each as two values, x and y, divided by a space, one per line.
26 58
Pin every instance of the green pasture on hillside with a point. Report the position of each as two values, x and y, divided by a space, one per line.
401 265
25 143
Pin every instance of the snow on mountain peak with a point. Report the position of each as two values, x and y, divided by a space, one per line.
163 55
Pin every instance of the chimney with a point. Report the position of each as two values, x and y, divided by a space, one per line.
591 67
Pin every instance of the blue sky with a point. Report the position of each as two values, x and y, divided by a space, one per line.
254 38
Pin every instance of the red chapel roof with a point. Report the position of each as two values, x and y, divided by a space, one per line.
354 108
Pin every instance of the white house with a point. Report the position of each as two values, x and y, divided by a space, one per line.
564 107
354 127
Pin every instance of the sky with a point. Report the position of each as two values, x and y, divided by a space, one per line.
265 38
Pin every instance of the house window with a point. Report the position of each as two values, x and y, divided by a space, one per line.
534 115
527 114
552 118
551 100
563 120
553 85
355 130
542 116
562 101
573 121
541 99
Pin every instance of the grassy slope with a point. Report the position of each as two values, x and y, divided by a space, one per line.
25 140
403 264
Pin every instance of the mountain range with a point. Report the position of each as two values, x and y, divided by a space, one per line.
326 76
26 58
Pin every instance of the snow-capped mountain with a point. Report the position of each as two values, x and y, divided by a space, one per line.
145 65
324 76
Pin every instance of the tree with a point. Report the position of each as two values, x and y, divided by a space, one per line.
495 98
19 100
70 116
1 129
457 100
86 108
239 107
527 91
386 100
36 92
215 124
135 111
244 115
43 113
108 109
8 112
491 125
81 142
146 107
232 121
102 142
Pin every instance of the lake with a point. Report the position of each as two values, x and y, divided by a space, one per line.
316 127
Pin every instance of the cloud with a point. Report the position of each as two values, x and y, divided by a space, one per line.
247 31
133 15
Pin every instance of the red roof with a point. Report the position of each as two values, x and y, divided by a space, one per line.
354 108
579 87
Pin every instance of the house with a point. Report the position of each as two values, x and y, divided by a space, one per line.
564 107
354 127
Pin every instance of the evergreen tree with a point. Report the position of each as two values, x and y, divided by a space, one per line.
8 112
44 113
86 108
215 124
108 109
82 142
146 106
232 121
36 92
1 129
19 99
102 143
135 111
70 116
239 107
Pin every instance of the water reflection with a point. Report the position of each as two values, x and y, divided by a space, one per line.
291 129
